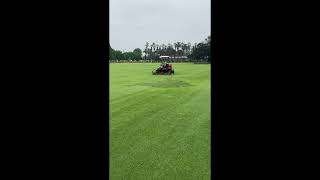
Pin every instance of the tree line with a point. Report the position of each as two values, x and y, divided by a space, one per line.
152 51
136 54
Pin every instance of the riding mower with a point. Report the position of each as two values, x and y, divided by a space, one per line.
164 69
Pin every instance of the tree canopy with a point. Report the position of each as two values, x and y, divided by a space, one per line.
198 52
119 55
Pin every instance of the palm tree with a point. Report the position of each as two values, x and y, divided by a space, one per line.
157 49
181 48
150 53
209 39
163 48
146 50
176 47
184 48
178 50
168 50
153 48
189 48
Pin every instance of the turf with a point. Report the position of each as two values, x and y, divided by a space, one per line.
159 125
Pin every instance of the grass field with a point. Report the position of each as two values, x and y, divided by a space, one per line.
159 125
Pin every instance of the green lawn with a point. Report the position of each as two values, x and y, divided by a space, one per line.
159 125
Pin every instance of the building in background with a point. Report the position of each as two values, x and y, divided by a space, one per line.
165 57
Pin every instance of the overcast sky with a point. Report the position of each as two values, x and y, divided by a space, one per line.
135 22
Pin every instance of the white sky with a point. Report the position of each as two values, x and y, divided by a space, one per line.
135 22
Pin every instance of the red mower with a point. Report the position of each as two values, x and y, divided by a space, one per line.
164 69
